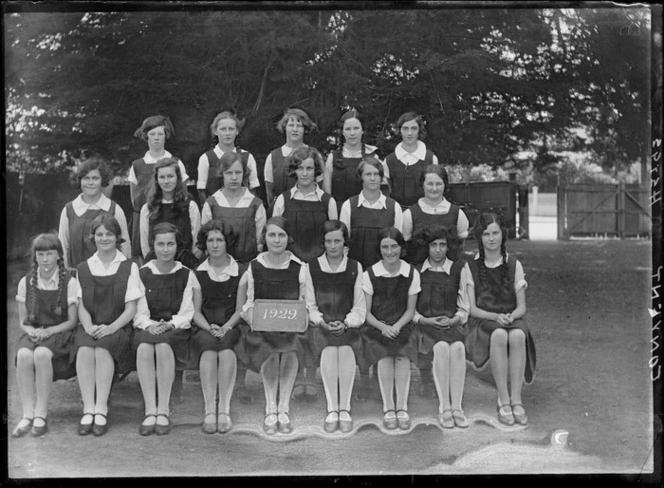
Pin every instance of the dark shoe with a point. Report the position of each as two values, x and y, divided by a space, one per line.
99 430
22 428
161 429
39 430
460 419
146 430
505 414
86 429
224 423
270 424
390 420
345 425
403 419
519 413
283 420
331 422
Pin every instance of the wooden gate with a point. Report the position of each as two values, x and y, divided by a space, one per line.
618 210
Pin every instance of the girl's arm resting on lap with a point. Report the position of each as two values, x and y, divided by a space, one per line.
240 300
125 317
385 329
520 310
85 319
69 324
479 313
22 315
408 314
199 319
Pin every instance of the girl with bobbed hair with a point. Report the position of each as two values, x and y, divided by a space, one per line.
442 311
305 206
391 287
154 130
339 177
218 301
433 209
409 158
294 124
496 331
225 128
75 219
169 201
47 302
276 274
337 310
108 289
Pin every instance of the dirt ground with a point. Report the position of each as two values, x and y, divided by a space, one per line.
588 311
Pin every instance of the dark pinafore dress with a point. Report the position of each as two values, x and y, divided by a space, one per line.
344 177
365 224
164 292
282 181
182 221
218 307
104 299
405 180
143 172
47 315
80 228
492 296
243 221
418 250
271 284
215 178
389 303
334 298
438 297
306 221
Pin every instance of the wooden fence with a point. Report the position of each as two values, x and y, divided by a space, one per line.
619 210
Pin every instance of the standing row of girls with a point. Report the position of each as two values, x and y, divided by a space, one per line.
406 313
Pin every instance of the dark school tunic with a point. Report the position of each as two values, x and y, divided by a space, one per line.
306 219
491 295
182 221
438 297
243 221
272 284
345 183
281 179
334 298
365 223
143 172
389 303
417 250
163 293
218 307
61 344
104 299
406 186
215 178
80 247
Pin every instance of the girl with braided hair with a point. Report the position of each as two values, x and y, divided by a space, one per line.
168 201
225 128
496 331
47 313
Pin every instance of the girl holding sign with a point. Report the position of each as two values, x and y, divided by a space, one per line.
276 274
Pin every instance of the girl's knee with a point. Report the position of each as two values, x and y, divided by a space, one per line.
441 348
42 354
499 336
145 351
24 357
458 351
517 336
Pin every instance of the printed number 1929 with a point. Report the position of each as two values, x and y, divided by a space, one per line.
280 313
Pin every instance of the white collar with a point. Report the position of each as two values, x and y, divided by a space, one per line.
325 264
51 283
217 150
382 199
80 206
446 267
153 267
150 160
119 257
443 205
419 153
291 257
221 198
231 270
379 269
498 263
317 191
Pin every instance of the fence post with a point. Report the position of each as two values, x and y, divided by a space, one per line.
621 209
561 193
523 211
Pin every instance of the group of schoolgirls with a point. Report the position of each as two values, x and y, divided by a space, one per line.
367 306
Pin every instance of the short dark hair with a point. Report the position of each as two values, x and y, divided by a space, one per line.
165 228
407 117
91 164
333 225
153 122
111 223
230 236
391 233
280 222
438 170
371 161
297 114
295 158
